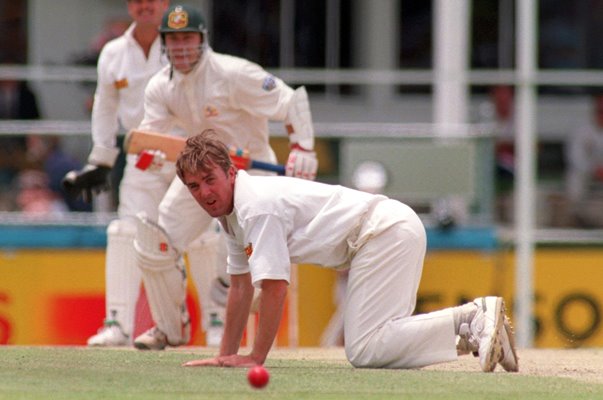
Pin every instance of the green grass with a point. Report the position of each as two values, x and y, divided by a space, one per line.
82 373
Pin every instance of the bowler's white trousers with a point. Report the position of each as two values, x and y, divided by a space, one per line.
385 271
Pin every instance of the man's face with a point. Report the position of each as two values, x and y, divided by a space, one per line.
183 49
213 190
147 12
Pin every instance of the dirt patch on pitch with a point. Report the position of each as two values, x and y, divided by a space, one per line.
580 364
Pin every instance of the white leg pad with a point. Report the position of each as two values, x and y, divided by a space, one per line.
164 279
122 275
207 262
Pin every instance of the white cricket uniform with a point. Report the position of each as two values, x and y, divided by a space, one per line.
231 95
123 72
277 221
584 157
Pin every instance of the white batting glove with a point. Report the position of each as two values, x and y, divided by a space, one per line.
150 160
302 164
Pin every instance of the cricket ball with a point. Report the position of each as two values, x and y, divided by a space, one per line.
258 376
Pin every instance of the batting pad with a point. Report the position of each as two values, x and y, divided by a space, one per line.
207 261
122 274
164 279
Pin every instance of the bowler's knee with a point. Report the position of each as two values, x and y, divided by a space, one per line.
356 355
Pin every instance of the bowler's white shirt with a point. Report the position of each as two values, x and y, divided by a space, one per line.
278 220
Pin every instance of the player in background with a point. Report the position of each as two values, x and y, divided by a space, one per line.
271 222
584 176
200 90
124 68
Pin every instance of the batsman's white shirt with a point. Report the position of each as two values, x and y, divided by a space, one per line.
280 220
231 95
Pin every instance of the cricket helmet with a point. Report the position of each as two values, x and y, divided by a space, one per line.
182 18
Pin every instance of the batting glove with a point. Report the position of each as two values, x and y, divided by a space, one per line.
302 164
150 160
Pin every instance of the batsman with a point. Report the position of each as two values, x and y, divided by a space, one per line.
201 89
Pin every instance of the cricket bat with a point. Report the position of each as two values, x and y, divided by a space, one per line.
137 141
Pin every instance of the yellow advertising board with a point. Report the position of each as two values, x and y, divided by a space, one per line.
567 289
57 296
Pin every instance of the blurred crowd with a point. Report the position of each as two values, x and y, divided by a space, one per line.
32 166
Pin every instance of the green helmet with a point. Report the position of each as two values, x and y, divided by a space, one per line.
182 18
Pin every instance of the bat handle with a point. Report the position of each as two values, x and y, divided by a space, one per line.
279 169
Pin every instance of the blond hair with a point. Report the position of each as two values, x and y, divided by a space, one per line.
201 153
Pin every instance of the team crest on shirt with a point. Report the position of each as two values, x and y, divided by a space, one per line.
249 250
178 18
269 83
211 111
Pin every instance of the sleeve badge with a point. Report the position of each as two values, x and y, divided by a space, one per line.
249 250
269 83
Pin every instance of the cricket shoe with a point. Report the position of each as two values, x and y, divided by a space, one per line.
467 343
109 335
155 339
152 339
509 360
487 327
215 330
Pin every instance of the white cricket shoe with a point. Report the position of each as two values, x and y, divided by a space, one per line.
467 343
509 360
487 327
109 335
215 330
152 339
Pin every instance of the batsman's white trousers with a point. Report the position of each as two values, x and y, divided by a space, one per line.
385 271
143 190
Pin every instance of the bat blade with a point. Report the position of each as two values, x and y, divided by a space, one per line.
138 140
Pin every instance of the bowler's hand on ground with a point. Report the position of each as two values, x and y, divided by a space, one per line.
234 361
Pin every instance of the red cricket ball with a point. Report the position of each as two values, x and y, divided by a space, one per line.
258 376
